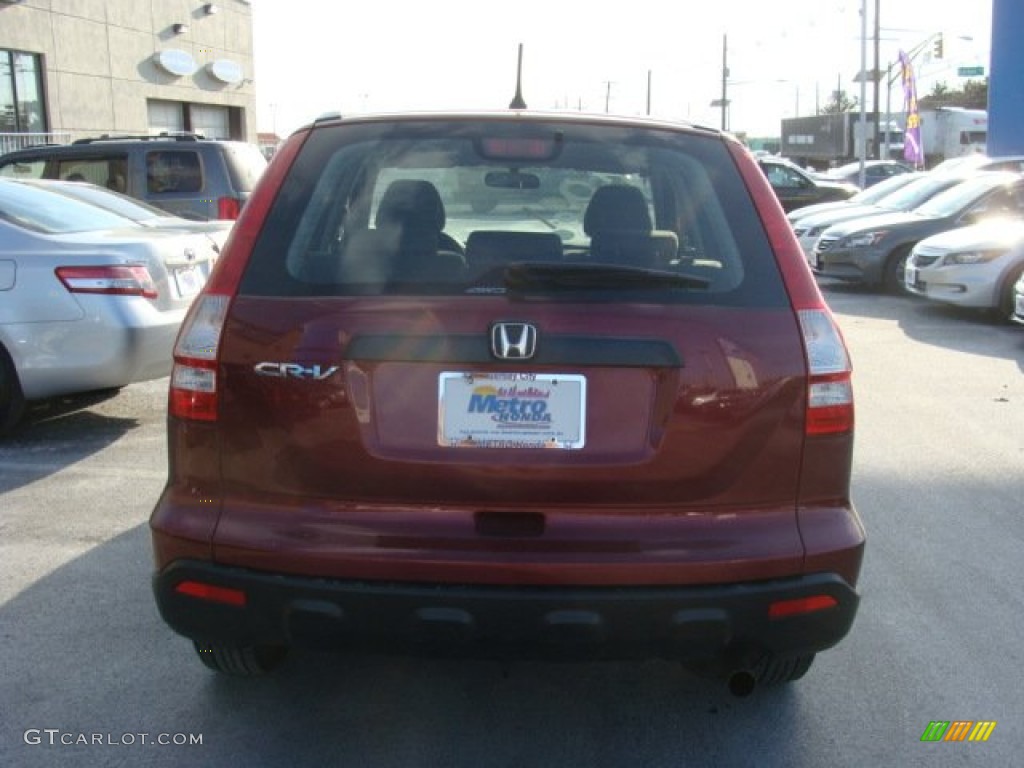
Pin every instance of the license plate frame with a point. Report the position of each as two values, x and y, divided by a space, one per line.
511 410
188 280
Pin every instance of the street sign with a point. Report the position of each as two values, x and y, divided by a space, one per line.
970 71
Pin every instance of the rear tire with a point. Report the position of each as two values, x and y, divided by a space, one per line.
241 661
12 401
895 266
774 670
1004 309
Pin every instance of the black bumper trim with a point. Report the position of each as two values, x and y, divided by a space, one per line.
699 623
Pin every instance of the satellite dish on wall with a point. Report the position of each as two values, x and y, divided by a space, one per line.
226 71
175 62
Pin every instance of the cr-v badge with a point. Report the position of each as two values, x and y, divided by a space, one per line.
294 371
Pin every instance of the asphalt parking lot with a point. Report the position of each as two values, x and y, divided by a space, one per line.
92 676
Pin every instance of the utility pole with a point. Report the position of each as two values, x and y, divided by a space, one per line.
862 144
648 93
725 82
876 77
607 95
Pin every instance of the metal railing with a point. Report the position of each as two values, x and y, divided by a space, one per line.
12 141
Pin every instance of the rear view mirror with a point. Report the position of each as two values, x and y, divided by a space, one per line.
512 180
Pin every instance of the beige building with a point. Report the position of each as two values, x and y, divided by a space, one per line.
75 68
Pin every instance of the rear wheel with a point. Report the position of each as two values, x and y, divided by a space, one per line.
773 670
896 265
12 401
241 661
1004 309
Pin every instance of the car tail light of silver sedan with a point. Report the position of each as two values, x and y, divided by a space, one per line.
118 280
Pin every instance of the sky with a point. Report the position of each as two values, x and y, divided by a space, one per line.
784 58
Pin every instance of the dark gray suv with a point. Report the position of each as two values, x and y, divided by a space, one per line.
185 174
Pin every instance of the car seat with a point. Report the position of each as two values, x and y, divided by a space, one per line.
410 219
618 221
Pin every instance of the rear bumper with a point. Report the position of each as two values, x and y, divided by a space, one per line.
723 623
112 346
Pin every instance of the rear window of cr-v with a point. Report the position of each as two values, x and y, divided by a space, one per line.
463 208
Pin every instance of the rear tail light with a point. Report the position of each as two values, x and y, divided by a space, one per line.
228 207
194 384
830 390
193 393
117 280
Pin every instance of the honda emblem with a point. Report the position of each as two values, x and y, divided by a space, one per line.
513 341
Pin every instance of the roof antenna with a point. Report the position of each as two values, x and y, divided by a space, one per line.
517 100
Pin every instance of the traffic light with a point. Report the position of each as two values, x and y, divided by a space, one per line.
937 48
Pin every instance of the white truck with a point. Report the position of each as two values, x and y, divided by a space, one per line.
952 132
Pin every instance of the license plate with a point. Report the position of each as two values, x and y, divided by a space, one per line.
910 276
813 258
511 410
1020 305
188 280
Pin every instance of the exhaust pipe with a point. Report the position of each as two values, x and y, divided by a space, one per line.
742 683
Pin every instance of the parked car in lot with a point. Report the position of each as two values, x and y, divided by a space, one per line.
796 188
868 196
89 300
1018 301
924 187
874 250
974 266
874 172
612 426
143 214
980 162
182 173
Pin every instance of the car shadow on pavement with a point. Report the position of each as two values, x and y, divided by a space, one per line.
929 322
57 434
84 651
59 407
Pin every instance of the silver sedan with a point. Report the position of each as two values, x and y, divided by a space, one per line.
138 211
89 300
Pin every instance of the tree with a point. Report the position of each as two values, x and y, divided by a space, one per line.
976 94
940 93
973 95
841 102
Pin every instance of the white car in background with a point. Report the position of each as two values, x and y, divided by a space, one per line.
89 300
975 266
1018 301
980 162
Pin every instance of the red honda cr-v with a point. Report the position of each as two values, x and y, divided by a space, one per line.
511 384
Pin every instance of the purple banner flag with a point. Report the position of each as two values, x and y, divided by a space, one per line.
913 152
